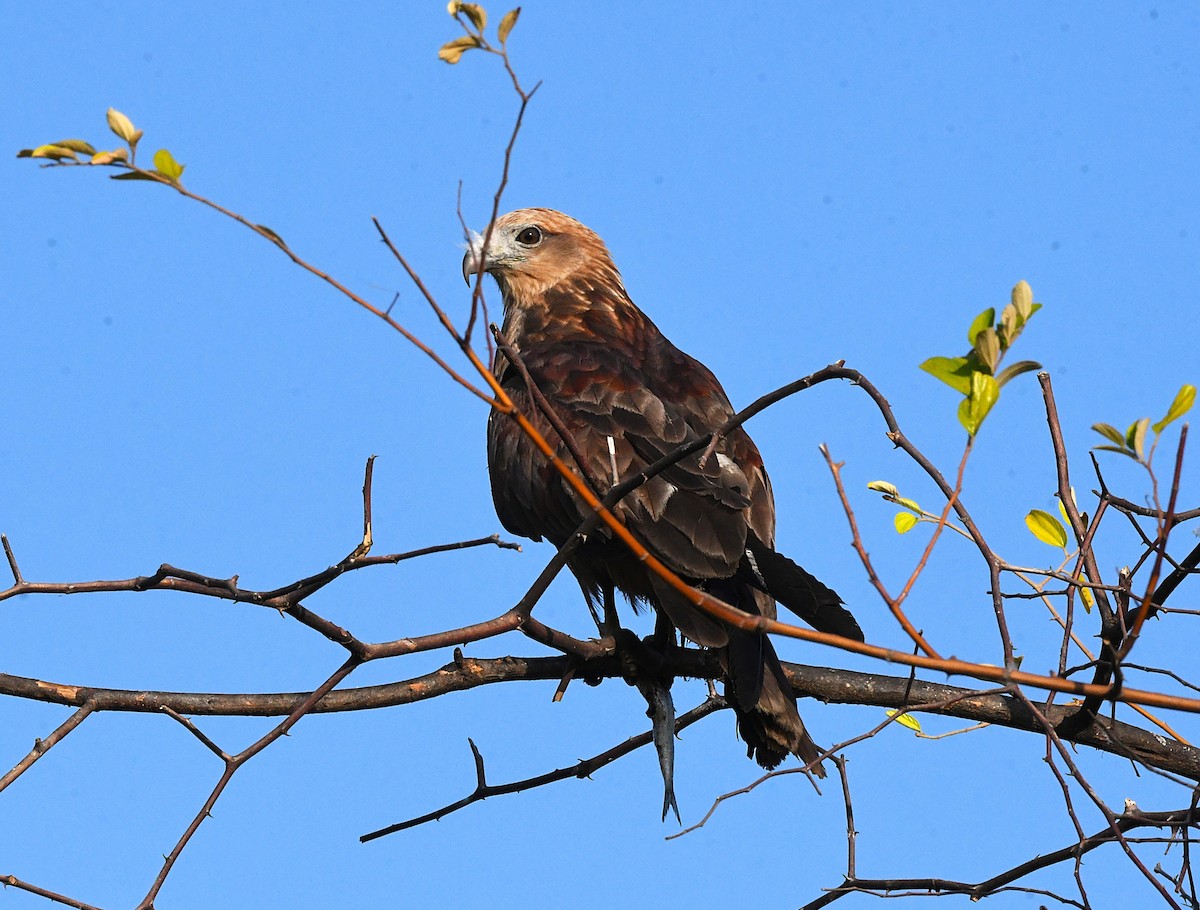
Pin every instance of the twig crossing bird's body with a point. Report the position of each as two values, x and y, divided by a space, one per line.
628 396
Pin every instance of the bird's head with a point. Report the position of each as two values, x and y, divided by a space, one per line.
532 250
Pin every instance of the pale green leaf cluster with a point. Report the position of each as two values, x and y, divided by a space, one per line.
912 515
67 151
1133 441
976 375
473 18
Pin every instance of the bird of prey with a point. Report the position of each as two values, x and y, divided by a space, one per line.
628 396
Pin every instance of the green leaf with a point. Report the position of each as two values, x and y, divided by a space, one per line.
1181 405
984 393
1022 301
1135 436
1016 369
905 719
452 51
507 23
123 126
110 157
1008 329
882 486
54 152
475 13
987 349
76 145
909 504
954 371
165 164
1016 314
904 522
1111 433
1046 528
1119 450
984 320
135 175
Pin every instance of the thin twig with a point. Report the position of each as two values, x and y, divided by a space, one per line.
893 603
42 746
11 881
12 560
579 770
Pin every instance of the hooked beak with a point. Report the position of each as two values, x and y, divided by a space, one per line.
470 263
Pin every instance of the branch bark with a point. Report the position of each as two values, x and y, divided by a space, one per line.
825 684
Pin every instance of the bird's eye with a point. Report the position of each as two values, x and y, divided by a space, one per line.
531 236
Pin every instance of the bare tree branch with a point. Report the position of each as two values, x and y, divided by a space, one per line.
579 770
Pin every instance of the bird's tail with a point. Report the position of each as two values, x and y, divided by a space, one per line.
768 720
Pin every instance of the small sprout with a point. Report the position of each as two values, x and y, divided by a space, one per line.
904 521
1046 528
452 51
987 349
1022 301
472 11
1135 437
507 23
1133 441
904 719
974 375
123 127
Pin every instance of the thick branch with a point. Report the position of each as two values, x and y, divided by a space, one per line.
822 683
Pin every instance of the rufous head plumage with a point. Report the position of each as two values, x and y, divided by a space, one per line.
532 250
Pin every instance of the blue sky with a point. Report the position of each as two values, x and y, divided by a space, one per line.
782 186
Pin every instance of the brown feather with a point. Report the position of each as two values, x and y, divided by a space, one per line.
610 374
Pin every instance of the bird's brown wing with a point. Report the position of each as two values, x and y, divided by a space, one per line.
692 516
